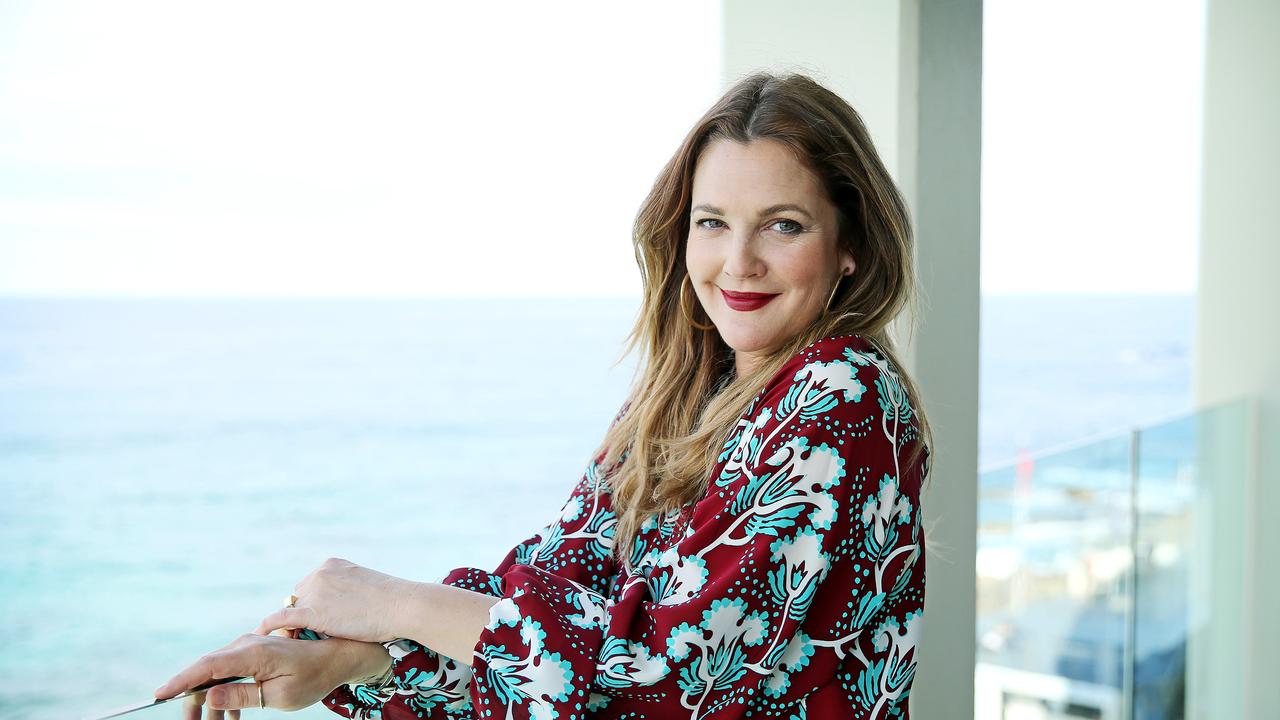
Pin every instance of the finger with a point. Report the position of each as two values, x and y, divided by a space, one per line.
293 617
233 715
234 696
191 706
215 665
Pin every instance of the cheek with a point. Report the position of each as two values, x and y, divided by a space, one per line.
701 261
803 271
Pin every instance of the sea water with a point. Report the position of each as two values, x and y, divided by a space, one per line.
170 469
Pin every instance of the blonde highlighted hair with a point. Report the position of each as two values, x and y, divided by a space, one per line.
684 400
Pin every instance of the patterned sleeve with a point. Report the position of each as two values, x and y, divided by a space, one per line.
796 587
574 546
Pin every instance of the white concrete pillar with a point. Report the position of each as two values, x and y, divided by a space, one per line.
940 128
1238 321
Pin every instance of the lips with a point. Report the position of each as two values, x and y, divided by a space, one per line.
746 301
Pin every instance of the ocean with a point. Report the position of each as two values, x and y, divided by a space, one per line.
171 468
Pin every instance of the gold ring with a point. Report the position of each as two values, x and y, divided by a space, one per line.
289 601
261 703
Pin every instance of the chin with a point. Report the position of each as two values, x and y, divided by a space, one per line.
746 339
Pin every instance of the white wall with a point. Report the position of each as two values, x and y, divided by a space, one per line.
1238 324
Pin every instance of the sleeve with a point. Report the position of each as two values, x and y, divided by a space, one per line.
801 569
424 684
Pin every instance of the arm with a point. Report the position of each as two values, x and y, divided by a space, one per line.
366 661
445 618
575 545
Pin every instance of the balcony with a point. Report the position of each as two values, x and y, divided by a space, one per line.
1107 572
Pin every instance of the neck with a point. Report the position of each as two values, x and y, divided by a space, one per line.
743 364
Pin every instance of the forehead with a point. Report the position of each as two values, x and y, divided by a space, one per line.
763 172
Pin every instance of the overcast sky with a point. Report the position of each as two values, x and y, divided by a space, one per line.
408 149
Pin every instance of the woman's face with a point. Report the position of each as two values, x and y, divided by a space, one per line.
760 223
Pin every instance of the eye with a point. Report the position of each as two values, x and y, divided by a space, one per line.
795 227
798 227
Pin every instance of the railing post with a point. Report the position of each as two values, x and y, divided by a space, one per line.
1131 596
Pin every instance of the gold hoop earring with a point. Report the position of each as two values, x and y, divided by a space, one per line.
684 308
833 292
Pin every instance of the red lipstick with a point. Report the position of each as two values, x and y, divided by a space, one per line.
746 301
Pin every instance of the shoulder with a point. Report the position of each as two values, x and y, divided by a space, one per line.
841 391
851 363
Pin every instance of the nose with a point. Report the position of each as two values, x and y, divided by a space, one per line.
741 259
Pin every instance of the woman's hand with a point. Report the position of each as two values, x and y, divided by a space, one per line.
294 674
342 599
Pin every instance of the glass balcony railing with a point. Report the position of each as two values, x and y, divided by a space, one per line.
1110 574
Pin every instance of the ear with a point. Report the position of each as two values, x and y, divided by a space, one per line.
847 264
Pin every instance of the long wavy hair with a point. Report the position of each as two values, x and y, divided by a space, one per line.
685 397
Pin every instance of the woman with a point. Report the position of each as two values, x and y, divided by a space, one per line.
747 539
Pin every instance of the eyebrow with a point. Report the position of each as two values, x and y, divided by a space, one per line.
767 211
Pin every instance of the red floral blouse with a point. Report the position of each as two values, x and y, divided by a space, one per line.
793 589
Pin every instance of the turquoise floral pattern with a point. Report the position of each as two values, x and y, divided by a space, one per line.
793 589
